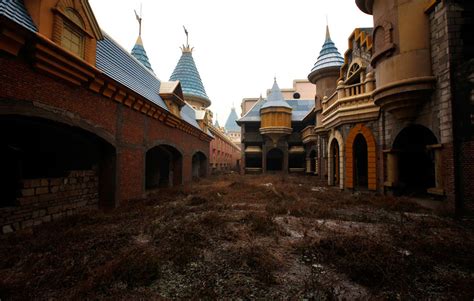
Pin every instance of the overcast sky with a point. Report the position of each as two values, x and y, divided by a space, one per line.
239 46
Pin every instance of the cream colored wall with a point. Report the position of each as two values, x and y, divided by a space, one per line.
303 87
247 104
410 35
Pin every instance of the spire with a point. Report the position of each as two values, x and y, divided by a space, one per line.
231 124
187 73
275 99
329 56
328 36
216 124
138 50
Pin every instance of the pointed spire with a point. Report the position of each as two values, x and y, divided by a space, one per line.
216 124
329 56
138 50
231 124
275 99
328 36
187 73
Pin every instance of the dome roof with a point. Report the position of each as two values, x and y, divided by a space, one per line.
275 99
187 73
139 53
329 55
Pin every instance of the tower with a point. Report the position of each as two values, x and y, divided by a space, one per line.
138 50
187 73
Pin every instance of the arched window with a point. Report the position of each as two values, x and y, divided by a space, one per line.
73 38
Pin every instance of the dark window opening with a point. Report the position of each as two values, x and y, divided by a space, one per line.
360 161
296 95
275 160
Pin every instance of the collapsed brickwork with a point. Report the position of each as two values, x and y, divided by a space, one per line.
44 200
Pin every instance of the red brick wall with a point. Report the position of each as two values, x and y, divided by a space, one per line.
26 92
44 200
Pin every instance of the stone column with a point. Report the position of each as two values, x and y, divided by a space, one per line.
316 165
308 165
392 169
438 164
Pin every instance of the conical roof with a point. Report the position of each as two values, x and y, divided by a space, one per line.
329 55
187 73
139 53
231 125
276 99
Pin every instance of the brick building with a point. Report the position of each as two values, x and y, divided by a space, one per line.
83 123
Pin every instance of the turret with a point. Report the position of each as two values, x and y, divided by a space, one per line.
275 115
187 73
401 55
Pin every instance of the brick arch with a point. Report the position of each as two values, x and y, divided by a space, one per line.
371 153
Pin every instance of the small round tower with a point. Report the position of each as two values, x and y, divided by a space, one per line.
275 115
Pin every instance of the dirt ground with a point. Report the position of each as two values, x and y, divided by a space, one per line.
245 237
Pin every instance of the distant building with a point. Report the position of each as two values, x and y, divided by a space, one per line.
232 129
271 133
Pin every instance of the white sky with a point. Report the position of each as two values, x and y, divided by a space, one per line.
239 45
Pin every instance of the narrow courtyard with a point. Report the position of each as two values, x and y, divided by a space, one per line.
245 237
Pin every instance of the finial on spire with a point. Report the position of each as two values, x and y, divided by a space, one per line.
186 48
328 36
139 19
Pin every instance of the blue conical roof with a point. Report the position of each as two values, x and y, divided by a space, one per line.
139 53
231 125
329 55
276 99
187 73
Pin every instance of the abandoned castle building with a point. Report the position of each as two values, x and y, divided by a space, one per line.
392 115
83 122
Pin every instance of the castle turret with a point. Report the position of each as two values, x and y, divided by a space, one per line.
187 73
138 50
401 54
275 115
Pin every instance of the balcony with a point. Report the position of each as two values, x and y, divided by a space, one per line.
350 104
308 134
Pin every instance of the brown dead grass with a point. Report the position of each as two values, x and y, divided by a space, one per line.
242 237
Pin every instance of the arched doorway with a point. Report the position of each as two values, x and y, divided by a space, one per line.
313 161
199 162
361 159
360 162
416 163
275 160
335 163
41 157
163 167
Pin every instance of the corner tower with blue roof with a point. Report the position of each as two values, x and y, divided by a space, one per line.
329 60
187 73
